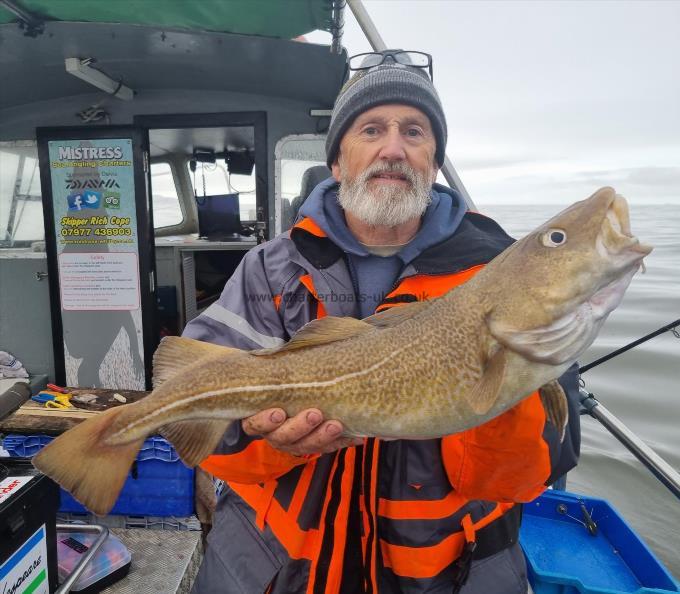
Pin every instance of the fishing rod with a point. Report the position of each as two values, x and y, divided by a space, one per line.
654 463
661 469
633 344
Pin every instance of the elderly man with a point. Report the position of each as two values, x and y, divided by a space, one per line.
307 510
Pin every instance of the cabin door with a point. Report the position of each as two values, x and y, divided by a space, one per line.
100 252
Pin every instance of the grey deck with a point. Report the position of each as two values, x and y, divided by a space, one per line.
162 561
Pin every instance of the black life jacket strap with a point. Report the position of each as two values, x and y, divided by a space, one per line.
501 534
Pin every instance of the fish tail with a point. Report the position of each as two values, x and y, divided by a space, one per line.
82 463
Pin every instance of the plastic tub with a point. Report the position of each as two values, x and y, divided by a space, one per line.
158 484
563 557
109 564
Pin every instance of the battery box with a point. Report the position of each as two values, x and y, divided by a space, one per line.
28 509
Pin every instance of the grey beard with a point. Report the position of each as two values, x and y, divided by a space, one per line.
387 206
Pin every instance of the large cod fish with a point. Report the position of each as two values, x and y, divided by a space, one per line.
421 370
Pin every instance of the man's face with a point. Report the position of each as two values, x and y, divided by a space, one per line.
386 165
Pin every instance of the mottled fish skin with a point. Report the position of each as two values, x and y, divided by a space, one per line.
421 370
410 380
356 380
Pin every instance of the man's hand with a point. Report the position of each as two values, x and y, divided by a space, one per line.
305 433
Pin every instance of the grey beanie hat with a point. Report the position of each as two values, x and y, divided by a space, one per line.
389 82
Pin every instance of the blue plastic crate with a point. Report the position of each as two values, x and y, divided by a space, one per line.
158 483
564 558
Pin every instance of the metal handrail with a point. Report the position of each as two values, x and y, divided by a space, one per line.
32 24
661 469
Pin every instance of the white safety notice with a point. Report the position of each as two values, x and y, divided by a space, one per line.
99 281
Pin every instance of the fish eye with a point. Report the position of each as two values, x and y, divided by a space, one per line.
554 238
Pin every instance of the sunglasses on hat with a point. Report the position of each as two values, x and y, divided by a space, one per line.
369 60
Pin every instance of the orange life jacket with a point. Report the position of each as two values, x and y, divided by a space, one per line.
421 504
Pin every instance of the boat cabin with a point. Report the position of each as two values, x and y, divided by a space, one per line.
140 157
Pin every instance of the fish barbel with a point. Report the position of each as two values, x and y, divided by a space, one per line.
421 370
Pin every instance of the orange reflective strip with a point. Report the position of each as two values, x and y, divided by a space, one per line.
306 280
374 514
322 530
430 286
497 512
363 513
362 506
468 528
257 463
299 544
386 306
310 226
301 490
266 501
421 510
426 562
277 301
340 521
308 283
422 562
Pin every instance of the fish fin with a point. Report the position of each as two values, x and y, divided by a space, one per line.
174 353
397 314
554 344
318 332
485 393
556 406
80 461
195 440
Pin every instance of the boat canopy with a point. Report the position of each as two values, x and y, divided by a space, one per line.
269 18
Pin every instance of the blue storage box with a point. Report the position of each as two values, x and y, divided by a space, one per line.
158 483
563 557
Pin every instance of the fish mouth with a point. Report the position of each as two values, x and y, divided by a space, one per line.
563 340
607 298
580 311
615 241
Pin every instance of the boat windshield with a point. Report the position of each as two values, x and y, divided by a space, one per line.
21 219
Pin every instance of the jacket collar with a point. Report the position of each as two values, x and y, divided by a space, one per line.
477 240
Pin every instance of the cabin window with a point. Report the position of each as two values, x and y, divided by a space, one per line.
167 208
21 212
300 165
212 179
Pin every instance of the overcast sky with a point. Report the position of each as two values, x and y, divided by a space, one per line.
546 101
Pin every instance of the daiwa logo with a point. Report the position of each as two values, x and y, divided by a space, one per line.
94 184
70 153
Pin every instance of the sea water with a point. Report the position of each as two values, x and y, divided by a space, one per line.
641 387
